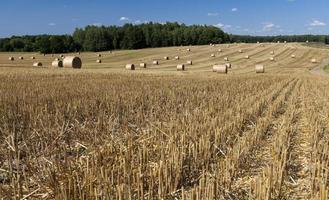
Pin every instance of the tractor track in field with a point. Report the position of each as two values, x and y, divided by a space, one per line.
259 156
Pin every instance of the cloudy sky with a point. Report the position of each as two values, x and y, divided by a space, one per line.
252 17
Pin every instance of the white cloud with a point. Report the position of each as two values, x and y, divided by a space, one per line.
234 10
223 26
138 22
317 23
212 14
124 19
269 26
97 24
52 24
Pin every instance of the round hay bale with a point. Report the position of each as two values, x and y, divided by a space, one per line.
37 64
220 50
130 67
220 69
142 65
99 55
72 62
57 59
11 58
258 42
57 63
188 49
176 57
240 51
99 61
226 59
272 52
272 59
212 55
44 54
307 41
293 56
228 65
278 42
155 62
247 57
21 58
285 42
181 67
32 57
189 62
78 53
313 60
166 58
260 69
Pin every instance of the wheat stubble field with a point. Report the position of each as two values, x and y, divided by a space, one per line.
104 132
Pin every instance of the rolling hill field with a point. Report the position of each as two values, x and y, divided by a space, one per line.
104 132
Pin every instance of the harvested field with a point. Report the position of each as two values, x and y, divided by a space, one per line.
105 132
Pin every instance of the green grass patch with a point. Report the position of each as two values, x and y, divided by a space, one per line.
326 69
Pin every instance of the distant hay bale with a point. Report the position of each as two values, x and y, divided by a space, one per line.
21 58
62 56
57 59
32 57
210 44
247 57
155 62
57 63
272 59
99 55
228 65
285 42
78 53
189 62
142 65
99 61
258 42
272 52
130 67
176 57
212 55
278 42
220 69
166 58
240 51
220 50
260 69
44 54
11 58
188 49
226 59
72 62
313 60
37 64
181 67
307 41
293 56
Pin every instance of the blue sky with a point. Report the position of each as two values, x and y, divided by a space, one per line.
253 17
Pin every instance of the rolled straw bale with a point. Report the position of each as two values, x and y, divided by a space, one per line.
272 59
220 69
212 55
260 69
293 56
220 50
226 59
99 61
313 60
142 65
177 57
72 62
21 58
99 55
247 57
37 64
189 62
188 49
166 58
57 63
155 62
32 57
130 67
272 52
11 58
57 59
181 67
240 51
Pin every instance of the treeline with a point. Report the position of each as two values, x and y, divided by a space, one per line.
129 36
281 38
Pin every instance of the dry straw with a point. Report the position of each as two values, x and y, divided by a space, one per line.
142 65
220 69
57 63
130 67
181 67
260 69
72 62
